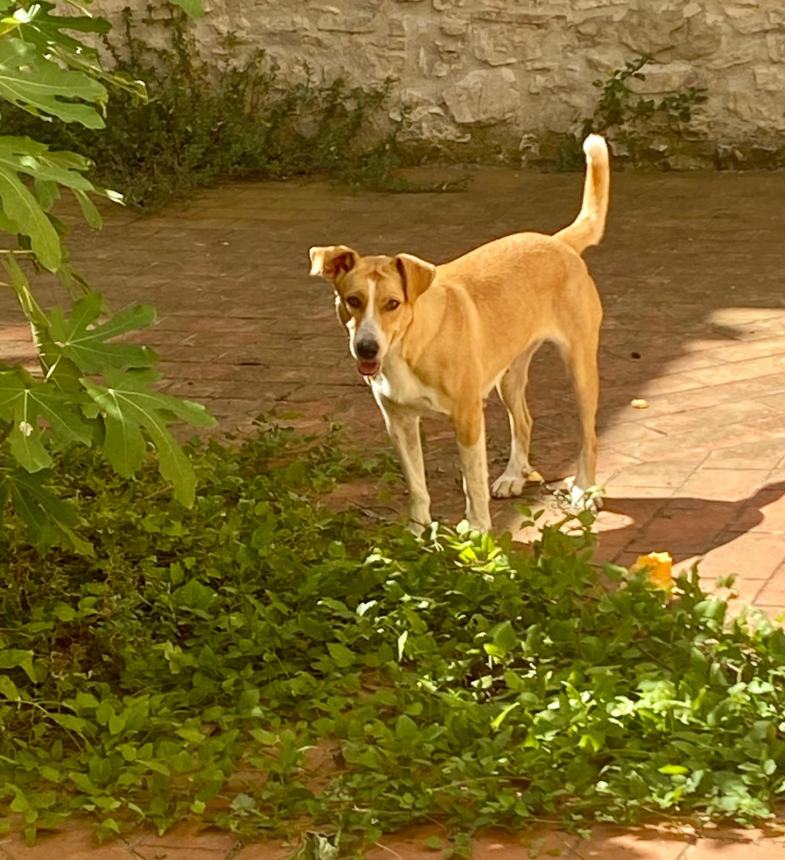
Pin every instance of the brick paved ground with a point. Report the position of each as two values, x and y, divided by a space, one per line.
185 842
692 276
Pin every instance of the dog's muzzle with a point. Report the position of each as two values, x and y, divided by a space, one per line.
367 350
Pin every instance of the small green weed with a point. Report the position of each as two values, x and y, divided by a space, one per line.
629 119
193 666
206 121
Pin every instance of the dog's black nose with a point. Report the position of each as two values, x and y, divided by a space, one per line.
367 349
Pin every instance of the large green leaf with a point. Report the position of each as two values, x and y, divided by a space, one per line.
60 371
25 213
32 310
73 281
25 155
42 87
7 225
47 193
47 33
132 410
34 24
21 206
12 658
91 214
87 343
25 402
49 520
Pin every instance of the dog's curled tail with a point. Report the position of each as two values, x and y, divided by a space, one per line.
588 227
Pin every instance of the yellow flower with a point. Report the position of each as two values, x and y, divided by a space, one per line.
659 566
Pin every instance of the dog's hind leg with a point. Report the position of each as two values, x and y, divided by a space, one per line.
404 429
512 390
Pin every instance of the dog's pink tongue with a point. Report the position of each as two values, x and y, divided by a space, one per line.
368 368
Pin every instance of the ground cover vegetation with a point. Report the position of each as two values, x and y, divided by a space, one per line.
194 664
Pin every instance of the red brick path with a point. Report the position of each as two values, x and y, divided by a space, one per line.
185 842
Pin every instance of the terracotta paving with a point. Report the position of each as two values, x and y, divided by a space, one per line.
692 274
185 842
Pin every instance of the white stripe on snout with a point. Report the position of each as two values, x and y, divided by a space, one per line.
370 308
369 325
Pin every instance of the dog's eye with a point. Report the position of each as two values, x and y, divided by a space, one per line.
354 302
391 305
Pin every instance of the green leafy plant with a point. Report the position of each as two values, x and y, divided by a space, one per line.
272 666
630 119
623 112
87 390
205 121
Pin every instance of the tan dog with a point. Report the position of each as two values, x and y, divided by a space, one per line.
439 338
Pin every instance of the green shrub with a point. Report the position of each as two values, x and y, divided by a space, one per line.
633 121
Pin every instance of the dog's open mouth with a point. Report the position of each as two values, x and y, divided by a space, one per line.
368 368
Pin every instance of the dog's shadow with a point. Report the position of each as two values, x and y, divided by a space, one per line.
684 526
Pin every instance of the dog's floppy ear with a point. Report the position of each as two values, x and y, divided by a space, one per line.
332 260
416 275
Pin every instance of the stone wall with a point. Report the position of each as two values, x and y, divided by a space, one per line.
525 66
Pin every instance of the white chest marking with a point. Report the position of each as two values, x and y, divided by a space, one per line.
397 383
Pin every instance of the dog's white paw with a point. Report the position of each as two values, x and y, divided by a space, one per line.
508 486
585 500
417 529
480 524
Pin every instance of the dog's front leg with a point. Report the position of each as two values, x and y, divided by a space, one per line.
470 431
403 426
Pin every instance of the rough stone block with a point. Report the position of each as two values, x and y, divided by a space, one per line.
444 5
742 53
499 45
742 18
769 78
454 26
363 22
516 19
667 34
284 23
438 59
483 96
775 43
666 78
430 122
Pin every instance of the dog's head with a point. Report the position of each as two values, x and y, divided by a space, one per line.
374 297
